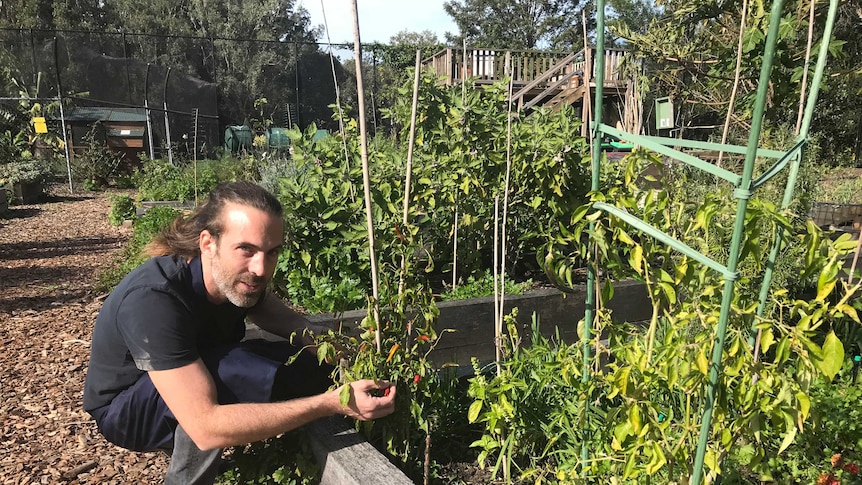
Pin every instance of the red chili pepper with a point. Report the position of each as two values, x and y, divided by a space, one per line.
416 379
386 391
423 338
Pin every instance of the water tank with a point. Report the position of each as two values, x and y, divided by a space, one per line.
277 139
238 137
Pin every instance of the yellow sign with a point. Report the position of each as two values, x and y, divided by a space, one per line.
40 125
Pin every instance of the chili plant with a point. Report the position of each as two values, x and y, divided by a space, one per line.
647 401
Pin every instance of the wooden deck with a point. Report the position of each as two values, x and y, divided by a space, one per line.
539 78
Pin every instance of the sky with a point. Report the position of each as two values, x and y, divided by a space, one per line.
379 19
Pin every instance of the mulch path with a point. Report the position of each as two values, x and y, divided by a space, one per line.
50 255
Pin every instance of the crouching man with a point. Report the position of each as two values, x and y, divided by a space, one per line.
168 367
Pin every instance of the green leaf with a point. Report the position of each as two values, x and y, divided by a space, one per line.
827 279
767 338
657 459
623 237
788 439
635 419
752 39
324 350
621 380
804 404
636 258
608 290
832 356
702 363
473 412
711 461
849 311
782 352
622 431
344 396
669 292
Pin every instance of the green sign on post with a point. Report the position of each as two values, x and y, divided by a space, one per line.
663 113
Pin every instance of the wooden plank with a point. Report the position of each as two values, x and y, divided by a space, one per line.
346 458
544 77
554 87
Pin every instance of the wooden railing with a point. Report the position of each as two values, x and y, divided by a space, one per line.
489 65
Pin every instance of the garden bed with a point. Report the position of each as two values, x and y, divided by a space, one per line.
473 319
340 450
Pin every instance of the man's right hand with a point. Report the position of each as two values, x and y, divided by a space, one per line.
369 399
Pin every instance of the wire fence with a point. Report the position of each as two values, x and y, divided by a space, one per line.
186 90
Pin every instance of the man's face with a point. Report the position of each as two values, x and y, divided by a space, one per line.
238 266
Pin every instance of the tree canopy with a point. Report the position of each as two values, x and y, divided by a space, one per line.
518 24
690 53
250 50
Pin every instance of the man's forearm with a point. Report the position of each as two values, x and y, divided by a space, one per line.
236 424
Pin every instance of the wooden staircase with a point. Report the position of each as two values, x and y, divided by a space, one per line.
549 79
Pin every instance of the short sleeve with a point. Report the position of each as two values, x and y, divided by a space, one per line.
158 329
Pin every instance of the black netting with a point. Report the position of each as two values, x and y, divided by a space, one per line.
207 89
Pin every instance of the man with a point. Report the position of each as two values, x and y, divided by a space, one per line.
167 367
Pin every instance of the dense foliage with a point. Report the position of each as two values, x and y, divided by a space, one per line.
145 228
640 414
689 53
459 166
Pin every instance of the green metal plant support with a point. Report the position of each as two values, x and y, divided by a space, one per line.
744 185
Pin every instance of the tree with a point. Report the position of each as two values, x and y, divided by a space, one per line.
838 118
400 52
691 53
386 67
518 24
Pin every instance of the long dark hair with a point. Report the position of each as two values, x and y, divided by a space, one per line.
182 236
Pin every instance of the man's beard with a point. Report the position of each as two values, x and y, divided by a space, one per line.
228 285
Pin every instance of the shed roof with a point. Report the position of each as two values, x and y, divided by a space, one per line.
92 114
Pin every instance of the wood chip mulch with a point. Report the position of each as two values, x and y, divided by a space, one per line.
50 255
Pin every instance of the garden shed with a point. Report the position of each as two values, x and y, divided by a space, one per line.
124 129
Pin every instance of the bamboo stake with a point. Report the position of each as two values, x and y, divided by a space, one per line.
855 256
586 112
804 83
502 245
742 20
196 156
408 176
498 309
337 93
464 72
426 468
363 145
455 247
463 102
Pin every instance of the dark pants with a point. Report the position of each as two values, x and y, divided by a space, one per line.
250 371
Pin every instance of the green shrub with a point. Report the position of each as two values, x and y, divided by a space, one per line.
26 170
122 209
483 286
160 180
286 460
132 256
98 163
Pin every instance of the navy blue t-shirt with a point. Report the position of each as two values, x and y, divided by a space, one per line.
157 318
